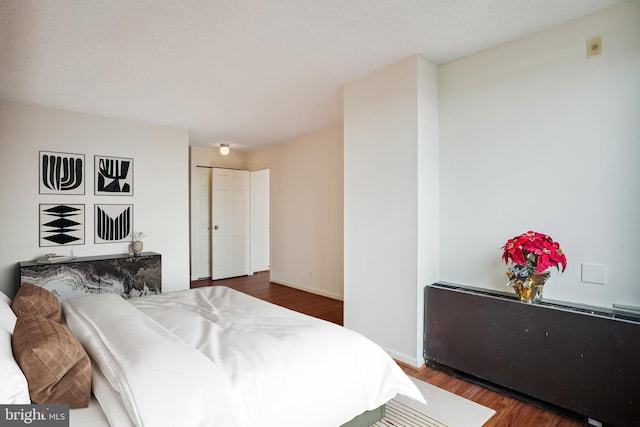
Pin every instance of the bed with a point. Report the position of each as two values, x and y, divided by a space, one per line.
214 356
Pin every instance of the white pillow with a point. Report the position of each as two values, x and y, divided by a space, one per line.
14 389
7 316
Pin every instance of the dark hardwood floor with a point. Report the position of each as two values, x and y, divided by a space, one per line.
258 285
509 411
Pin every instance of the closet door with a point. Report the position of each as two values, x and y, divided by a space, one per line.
201 223
230 212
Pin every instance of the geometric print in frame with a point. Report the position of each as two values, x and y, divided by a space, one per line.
113 176
61 173
113 223
61 224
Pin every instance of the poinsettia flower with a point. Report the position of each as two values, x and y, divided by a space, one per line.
518 256
535 245
544 261
513 251
557 256
508 249
536 251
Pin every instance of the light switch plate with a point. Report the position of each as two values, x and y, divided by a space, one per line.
594 46
594 273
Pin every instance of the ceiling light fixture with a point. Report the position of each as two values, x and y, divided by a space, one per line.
224 149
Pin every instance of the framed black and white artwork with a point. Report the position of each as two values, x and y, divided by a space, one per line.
61 173
61 224
113 176
113 223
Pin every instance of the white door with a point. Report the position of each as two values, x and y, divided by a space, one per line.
230 218
201 225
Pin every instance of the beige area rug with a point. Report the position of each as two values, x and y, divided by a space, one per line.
443 409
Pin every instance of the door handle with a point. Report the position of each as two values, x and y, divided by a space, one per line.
215 227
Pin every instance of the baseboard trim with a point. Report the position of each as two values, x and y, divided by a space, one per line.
408 366
408 361
320 292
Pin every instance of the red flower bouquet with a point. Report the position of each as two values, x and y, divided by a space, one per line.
533 254
537 251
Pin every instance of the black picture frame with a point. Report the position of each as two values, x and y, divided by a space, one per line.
61 173
113 176
113 223
61 224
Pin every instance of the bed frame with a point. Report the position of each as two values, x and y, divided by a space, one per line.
366 419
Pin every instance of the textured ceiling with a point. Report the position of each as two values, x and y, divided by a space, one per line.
250 72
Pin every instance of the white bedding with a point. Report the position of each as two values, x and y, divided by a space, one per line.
215 356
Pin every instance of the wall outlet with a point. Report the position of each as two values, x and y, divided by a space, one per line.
593 273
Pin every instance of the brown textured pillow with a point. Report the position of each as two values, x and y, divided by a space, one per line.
35 300
57 368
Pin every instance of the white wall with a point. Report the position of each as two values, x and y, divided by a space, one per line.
390 223
536 136
160 197
306 176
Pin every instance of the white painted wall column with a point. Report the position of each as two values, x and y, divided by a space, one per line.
260 221
391 203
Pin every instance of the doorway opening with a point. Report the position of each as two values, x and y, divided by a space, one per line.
230 222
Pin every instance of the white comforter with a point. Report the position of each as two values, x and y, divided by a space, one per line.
217 357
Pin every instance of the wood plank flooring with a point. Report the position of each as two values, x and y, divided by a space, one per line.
259 286
509 411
